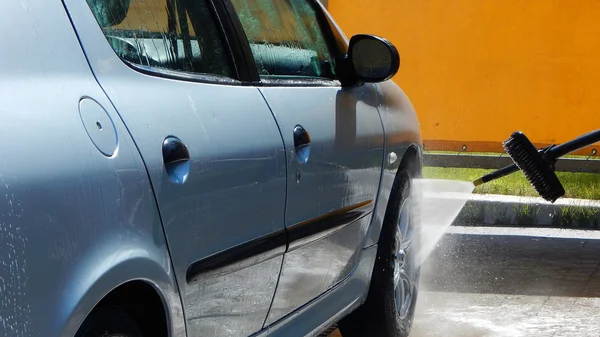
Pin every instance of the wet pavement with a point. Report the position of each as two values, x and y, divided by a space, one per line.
514 283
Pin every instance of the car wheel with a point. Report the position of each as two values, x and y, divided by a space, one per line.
109 321
390 306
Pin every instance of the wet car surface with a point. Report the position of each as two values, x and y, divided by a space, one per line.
185 168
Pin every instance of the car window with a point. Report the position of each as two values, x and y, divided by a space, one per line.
166 34
286 38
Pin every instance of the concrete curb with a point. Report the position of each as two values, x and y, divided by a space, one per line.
502 210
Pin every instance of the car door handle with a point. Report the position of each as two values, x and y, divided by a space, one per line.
176 159
301 144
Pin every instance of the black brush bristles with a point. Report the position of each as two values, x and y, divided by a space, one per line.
535 168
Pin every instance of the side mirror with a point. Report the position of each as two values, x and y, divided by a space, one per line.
374 59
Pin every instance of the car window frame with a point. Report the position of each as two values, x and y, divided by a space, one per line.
242 74
324 26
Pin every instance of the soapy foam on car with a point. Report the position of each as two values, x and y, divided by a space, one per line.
439 203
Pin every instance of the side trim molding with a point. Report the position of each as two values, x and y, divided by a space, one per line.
312 230
237 254
268 246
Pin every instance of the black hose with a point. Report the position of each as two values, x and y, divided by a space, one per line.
574 145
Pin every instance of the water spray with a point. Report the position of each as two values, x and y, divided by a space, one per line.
443 200
538 164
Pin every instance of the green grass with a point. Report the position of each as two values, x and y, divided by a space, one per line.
576 217
526 214
577 185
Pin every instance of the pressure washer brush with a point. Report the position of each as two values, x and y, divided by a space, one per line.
538 165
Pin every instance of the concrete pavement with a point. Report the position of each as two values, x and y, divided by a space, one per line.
511 282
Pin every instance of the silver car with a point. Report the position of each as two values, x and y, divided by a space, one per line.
202 168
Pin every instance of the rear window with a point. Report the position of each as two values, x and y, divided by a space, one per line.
165 34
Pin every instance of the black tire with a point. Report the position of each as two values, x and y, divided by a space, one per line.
109 321
379 316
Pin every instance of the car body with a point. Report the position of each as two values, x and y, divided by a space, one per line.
188 183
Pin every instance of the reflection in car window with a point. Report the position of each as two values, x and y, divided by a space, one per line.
170 34
285 38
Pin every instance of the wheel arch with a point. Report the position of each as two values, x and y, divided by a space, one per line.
99 286
411 159
142 302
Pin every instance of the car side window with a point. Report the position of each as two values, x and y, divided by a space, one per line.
286 38
166 34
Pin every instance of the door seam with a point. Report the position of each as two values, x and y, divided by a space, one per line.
139 153
287 235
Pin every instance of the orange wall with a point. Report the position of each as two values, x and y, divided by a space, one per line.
476 70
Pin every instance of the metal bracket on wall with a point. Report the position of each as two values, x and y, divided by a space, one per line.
494 162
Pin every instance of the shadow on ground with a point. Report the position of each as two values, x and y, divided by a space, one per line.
476 285
517 265
510 286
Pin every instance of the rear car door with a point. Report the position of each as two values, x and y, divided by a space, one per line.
211 146
333 138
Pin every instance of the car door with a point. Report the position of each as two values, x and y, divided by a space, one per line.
211 146
333 138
